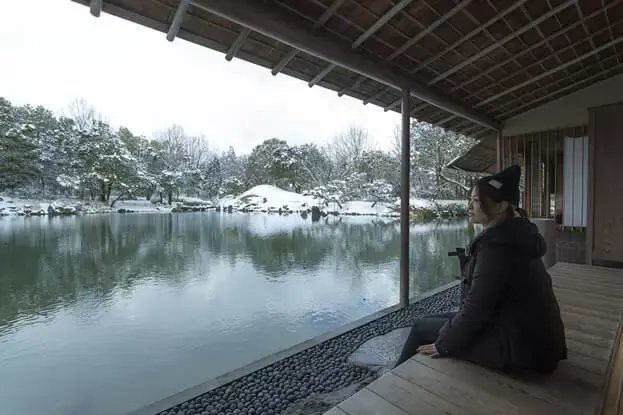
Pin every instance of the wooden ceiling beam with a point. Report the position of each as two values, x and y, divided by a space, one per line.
255 16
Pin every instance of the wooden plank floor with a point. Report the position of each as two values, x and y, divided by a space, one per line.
591 301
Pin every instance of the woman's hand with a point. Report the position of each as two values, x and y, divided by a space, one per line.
429 350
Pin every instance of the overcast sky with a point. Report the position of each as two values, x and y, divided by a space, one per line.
54 51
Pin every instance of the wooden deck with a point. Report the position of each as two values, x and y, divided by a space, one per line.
591 301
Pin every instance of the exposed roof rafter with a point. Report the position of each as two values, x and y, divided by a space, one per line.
250 14
560 91
331 10
96 7
468 36
505 61
460 6
528 68
551 71
560 32
235 47
178 18
502 41
365 36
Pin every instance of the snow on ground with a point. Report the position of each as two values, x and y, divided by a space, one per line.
429 204
12 206
261 199
193 201
267 198
360 207
141 206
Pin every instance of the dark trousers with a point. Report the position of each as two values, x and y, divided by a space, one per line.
424 331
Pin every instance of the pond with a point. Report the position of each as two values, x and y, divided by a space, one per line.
102 315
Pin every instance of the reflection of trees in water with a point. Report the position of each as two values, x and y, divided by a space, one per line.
45 263
305 248
48 264
430 264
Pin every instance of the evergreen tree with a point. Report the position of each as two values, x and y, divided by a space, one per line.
18 149
44 154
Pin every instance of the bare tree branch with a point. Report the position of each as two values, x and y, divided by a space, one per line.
348 147
84 114
454 182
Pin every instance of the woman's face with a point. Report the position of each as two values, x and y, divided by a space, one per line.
474 212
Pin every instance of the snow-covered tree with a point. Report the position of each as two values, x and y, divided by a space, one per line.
346 148
212 177
232 166
261 166
174 174
379 166
82 155
84 115
284 166
378 191
313 166
18 149
139 180
432 149
46 133
232 186
106 162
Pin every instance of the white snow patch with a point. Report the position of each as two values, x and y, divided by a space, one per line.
140 206
430 204
270 198
267 198
360 207
193 201
12 206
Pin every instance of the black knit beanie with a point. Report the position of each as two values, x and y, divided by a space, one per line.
504 185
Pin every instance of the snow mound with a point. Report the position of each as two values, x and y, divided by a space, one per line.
267 198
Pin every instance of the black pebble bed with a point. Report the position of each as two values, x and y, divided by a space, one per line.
318 370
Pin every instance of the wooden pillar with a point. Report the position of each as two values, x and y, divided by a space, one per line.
499 151
404 197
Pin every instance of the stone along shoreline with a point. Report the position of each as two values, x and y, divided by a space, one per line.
315 379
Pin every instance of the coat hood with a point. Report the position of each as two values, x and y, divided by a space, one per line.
517 233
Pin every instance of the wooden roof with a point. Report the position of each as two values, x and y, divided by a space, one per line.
485 60
480 158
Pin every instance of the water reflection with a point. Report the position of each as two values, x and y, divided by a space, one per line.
109 313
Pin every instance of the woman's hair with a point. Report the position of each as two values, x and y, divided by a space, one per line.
489 197
522 213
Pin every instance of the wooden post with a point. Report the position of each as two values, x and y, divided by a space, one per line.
590 225
500 149
404 198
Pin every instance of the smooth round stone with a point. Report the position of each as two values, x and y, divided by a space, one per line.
309 375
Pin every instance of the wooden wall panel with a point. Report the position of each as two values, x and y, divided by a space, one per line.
606 212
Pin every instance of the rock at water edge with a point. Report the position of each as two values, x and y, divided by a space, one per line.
380 353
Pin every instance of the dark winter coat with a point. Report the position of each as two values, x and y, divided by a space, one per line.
509 317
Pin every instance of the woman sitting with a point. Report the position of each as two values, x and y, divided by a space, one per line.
509 317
